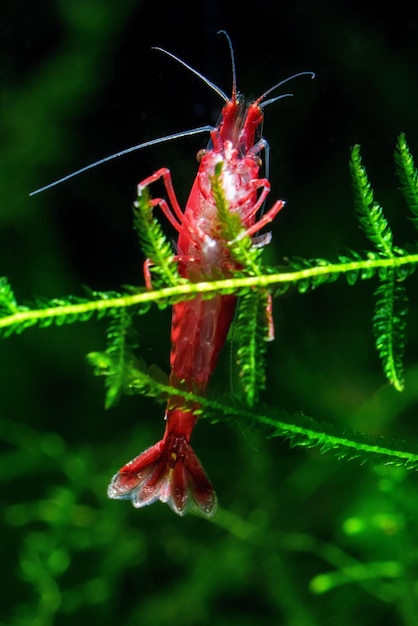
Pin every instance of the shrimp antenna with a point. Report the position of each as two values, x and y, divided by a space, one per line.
203 78
259 100
146 144
231 50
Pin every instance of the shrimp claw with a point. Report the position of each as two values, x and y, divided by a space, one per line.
168 471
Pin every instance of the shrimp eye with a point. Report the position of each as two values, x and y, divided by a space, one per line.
200 155
258 161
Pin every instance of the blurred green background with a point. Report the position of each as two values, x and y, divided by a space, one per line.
300 539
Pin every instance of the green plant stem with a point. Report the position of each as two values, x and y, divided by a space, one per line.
83 310
298 428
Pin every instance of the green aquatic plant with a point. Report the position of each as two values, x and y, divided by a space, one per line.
124 371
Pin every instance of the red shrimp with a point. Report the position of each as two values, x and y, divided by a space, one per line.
170 471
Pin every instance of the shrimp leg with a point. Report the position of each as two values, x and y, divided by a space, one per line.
175 215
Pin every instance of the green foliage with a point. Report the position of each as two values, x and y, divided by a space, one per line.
252 282
154 243
389 324
369 212
389 327
252 326
118 362
408 176
8 304
124 373
299 429
252 333
65 310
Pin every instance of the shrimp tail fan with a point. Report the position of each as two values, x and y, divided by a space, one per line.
168 471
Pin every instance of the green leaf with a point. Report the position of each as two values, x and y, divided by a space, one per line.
117 363
299 429
389 326
408 176
252 331
369 212
8 304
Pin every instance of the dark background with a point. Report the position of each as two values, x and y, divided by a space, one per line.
301 538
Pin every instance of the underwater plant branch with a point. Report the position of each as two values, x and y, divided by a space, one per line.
254 325
118 359
389 327
369 212
389 319
408 176
252 330
70 310
299 429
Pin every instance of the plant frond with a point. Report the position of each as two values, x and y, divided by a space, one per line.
118 362
408 176
369 212
389 325
154 244
252 328
232 230
68 310
299 429
312 273
71 309
58 311
8 304
313 279
124 373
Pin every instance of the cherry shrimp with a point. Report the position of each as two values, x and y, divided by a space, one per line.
170 471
